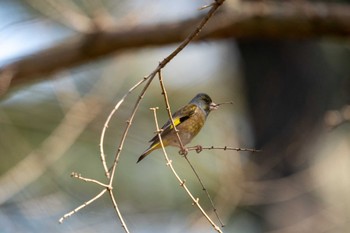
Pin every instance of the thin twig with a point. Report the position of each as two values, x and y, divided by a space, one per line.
82 206
110 191
183 149
116 107
128 125
121 144
167 105
228 102
221 148
182 182
206 191
78 176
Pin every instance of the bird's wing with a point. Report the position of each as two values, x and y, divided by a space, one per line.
179 116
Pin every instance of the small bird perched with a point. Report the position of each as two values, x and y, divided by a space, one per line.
188 120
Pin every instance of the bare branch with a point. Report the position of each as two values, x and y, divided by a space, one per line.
198 148
182 182
82 206
78 176
125 227
183 149
167 105
116 107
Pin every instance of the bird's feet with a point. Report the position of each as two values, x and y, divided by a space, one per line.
199 148
183 151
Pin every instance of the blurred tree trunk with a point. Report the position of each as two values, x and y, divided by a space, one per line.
289 88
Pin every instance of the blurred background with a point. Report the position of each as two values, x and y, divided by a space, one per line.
291 100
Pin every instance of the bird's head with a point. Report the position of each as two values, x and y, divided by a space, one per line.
204 102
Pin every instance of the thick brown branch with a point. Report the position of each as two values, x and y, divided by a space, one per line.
269 20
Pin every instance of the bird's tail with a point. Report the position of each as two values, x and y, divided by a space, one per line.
148 151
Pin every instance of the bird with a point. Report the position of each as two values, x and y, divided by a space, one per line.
188 120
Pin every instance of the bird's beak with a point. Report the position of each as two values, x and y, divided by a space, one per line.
213 106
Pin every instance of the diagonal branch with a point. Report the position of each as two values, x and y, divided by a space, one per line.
82 206
182 148
182 182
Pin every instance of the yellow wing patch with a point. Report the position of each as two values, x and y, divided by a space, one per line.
183 114
177 121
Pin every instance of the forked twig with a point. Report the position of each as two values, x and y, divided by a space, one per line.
183 149
82 206
182 182
108 188
78 176
116 107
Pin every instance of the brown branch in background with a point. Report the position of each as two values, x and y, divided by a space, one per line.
182 182
270 20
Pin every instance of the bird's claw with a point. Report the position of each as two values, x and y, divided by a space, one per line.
199 149
183 151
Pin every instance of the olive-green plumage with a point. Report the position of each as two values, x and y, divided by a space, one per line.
189 120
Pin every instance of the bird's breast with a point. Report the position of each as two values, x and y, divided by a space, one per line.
190 128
